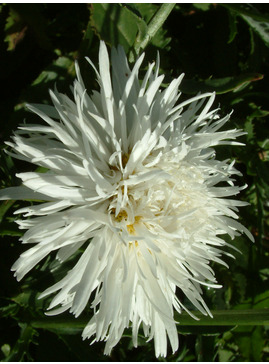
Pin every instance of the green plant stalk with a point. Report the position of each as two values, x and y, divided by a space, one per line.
227 318
154 25
220 318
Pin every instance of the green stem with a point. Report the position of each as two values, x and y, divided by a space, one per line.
155 24
220 318
227 318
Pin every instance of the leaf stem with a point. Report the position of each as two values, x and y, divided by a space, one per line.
154 25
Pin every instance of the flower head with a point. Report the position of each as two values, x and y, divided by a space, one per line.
133 179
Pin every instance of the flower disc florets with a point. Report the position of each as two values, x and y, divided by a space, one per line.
133 178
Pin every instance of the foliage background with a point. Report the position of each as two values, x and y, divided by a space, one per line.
218 46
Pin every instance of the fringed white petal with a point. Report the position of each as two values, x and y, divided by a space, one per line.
134 183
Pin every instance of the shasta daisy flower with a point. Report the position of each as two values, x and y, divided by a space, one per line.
133 179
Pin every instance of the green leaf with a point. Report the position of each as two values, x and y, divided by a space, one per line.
205 348
59 72
133 8
10 229
202 6
256 20
5 349
9 310
227 349
140 22
21 349
250 343
8 169
262 300
22 299
14 29
261 28
114 24
233 26
219 85
159 40
153 27
225 355
248 10
28 299
4 207
86 42
23 16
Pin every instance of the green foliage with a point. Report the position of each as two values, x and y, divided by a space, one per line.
129 25
219 47
115 24
219 85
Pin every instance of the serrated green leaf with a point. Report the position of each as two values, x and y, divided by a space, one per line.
29 299
56 70
248 10
61 71
160 40
22 299
140 22
147 10
154 26
257 111
9 311
219 85
29 16
14 30
261 28
115 24
21 349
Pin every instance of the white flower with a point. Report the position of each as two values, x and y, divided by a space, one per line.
132 178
